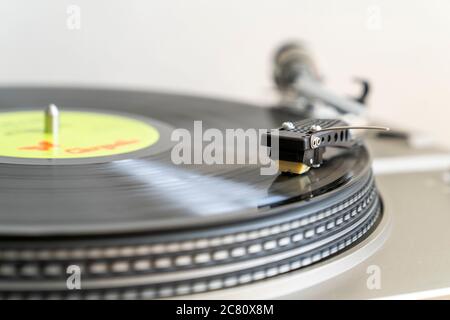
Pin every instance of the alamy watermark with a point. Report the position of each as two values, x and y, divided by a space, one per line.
230 146
373 281
73 21
374 19
73 281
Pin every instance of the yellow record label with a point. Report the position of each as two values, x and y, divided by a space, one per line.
80 135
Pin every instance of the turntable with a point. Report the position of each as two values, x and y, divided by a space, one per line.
89 188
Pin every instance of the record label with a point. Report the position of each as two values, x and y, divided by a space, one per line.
81 135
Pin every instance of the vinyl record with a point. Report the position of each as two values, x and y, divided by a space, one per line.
139 225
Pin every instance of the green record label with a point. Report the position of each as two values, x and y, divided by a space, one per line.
80 135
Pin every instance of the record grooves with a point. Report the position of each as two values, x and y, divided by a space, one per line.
141 227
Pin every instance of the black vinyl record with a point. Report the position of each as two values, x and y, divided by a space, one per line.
137 215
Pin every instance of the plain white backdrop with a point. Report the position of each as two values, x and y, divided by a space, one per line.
224 49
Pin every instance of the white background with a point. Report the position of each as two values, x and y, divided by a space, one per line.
224 49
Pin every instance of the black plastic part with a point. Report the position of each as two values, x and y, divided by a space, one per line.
365 85
295 144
